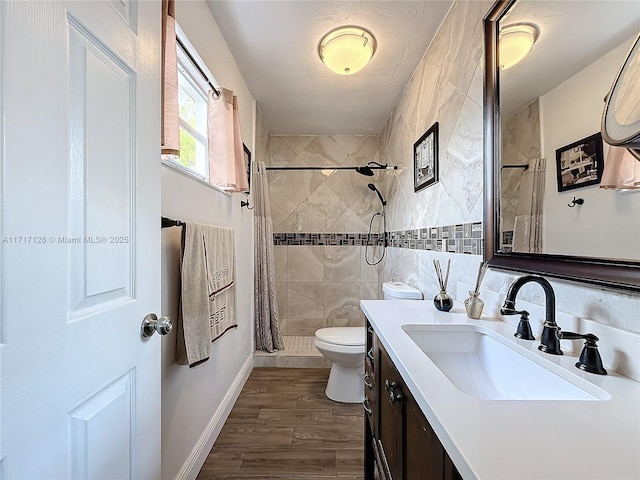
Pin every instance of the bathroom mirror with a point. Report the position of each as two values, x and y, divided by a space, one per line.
542 120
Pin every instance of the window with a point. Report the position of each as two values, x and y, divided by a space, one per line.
193 124
192 104
194 83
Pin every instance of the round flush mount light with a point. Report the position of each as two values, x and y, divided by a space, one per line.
516 41
346 50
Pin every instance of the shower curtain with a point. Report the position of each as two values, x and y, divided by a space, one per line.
267 325
527 232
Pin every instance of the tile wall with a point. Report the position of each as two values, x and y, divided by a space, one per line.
446 88
321 220
520 145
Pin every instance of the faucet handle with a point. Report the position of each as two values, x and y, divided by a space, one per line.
509 308
512 311
590 360
589 337
524 327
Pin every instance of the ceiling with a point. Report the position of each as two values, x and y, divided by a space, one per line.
274 44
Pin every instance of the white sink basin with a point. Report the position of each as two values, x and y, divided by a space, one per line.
483 364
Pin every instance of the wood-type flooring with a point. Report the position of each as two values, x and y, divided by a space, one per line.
283 427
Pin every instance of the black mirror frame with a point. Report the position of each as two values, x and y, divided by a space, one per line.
608 273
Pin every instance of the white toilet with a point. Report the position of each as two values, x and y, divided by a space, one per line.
345 346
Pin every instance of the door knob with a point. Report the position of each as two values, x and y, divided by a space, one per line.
152 324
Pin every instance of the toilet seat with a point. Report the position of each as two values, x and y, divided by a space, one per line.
337 348
342 336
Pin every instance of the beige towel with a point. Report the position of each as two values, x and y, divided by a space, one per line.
223 313
208 307
219 249
219 252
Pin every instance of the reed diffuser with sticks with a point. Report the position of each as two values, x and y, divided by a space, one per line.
442 300
474 304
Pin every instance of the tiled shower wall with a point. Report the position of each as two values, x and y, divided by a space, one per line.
520 145
321 285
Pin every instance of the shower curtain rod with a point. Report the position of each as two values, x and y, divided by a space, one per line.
393 167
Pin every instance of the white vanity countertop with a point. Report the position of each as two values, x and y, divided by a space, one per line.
514 439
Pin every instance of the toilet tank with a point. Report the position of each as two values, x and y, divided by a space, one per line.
400 291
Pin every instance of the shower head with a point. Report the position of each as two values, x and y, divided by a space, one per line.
366 170
373 188
371 166
377 165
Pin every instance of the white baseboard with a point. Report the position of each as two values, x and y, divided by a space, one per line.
198 455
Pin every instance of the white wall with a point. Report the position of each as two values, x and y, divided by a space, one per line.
609 221
196 401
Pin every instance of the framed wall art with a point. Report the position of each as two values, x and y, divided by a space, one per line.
247 162
580 164
425 159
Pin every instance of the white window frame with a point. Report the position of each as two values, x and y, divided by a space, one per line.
196 91
201 85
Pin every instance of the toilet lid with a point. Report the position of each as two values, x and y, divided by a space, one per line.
342 335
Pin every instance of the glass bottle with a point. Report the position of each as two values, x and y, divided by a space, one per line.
474 305
443 301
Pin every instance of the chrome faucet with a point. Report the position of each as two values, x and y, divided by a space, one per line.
550 340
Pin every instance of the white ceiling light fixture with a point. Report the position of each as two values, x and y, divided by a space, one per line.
346 50
516 41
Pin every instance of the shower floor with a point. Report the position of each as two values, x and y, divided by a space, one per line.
299 352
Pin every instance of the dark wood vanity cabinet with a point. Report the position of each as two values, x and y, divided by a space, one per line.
399 442
371 405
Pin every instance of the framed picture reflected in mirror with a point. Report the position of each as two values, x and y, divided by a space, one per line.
247 162
580 164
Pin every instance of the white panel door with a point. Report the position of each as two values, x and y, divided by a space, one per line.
80 228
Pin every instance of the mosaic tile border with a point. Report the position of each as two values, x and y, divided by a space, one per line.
461 238
335 239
